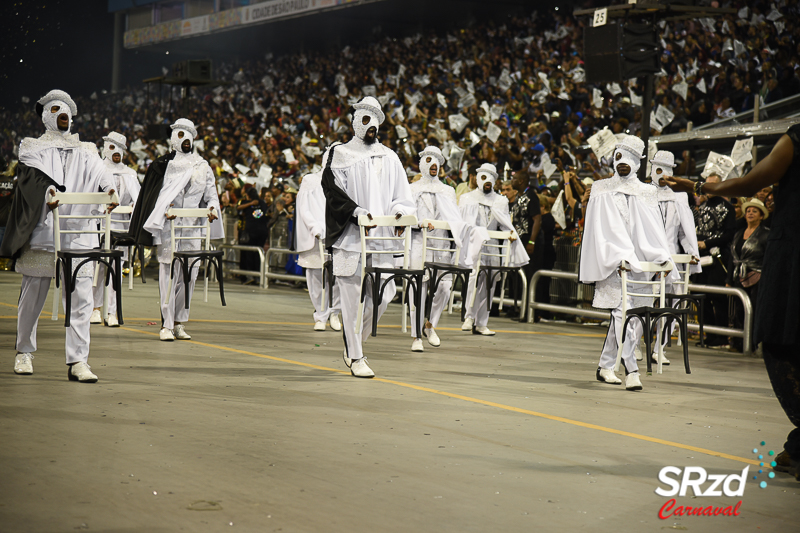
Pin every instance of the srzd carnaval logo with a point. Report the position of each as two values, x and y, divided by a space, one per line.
694 477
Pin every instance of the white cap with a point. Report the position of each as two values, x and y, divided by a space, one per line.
185 124
61 96
434 152
118 139
663 158
372 105
487 168
632 144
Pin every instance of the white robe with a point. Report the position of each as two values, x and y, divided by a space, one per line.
679 224
75 165
490 212
310 226
188 183
623 223
436 201
373 177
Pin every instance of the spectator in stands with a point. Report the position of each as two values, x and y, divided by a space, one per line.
716 226
253 212
747 256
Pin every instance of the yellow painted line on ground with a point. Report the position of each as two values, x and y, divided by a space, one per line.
478 401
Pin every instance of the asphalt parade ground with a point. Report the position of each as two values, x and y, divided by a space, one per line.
256 425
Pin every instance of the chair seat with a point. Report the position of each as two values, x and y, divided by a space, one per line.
657 311
89 254
499 268
200 253
391 270
693 296
446 266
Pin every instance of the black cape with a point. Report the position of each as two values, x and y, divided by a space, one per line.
26 208
339 207
151 187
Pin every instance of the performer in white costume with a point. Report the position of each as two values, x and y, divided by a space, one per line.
623 223
434 201
362 177
126 183
678 221
484 208
310 233
180 179
56 160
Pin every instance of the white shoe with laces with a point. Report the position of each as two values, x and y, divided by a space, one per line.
166 335
319 325
607 375
180 333
467 325
347 360
433 338
96 318
81 372
361 369
416 346
664 360
482 330
112 321
23 364
632 381
336 323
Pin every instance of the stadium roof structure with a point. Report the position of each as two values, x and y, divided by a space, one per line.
266 11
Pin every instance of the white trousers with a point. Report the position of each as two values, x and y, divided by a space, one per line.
315 292
33 294
440 299
349 290
634 332
97 292
174 310
479 312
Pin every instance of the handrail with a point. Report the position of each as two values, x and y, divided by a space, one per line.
744 333
272 275
790 102
263 258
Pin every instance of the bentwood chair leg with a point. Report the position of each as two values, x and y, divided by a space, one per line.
685 334
376 290
218 266
118 282
69 286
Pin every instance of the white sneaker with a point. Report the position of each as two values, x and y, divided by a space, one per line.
467 325
81 372
483 330
319 325
664 360
166 335
112 321
96 318
416 346
180 333
23 364
638 352
632 381
433 338
607 375
361 369
336 323
347 360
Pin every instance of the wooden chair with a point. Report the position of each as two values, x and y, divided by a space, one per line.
501 242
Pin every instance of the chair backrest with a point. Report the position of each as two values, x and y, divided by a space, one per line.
100 199
450 241
180 223
405 222
683 266
657 285
499 246
121 225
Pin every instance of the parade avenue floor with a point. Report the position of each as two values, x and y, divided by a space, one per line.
256 425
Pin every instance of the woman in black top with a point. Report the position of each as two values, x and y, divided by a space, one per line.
777 318
253 211
747 256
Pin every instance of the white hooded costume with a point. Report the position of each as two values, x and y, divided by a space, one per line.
310 233
623 223
372 176
487 211
188 183
434 201
76 166
126 183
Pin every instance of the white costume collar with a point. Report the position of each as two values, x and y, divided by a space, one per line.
355 150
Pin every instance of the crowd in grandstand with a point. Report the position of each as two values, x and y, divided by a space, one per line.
512 93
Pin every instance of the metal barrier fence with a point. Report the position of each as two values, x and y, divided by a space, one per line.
744 333
274 275
262 279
